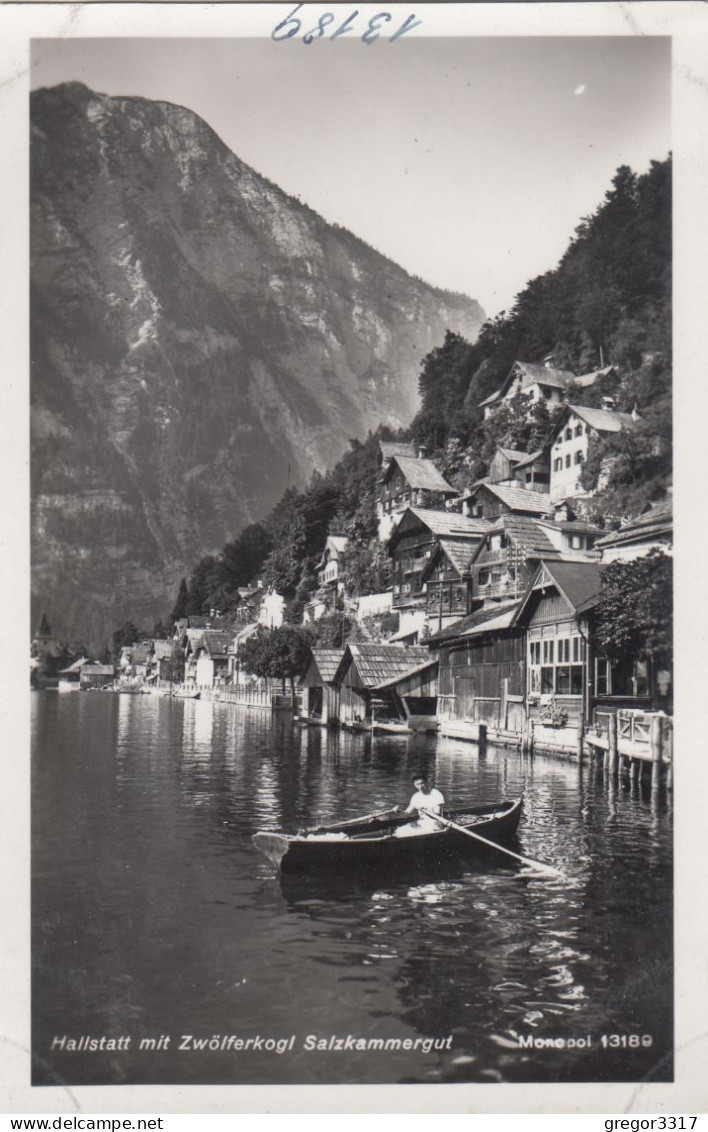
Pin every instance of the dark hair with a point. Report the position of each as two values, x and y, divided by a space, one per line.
419 778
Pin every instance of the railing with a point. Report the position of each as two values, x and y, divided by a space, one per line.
633 725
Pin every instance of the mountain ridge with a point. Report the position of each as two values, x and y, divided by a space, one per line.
200 340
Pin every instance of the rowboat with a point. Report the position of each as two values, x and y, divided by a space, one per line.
372 842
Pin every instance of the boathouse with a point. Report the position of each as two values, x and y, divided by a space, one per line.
481 672
320 694
388 686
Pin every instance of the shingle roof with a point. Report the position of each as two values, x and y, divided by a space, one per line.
512 454
460 552
379 664
391 448
75 667
96 669
520 498
422 474
579 582
216 641
473 621
658 520
139 654
529 459
491 399
536 373
161 649
449 523
393 680
528 534
602 420
587 379
327 661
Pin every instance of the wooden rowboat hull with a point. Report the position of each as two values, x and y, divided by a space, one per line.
370 843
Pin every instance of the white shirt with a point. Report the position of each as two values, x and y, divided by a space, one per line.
433 801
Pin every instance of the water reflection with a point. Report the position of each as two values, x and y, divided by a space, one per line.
151 907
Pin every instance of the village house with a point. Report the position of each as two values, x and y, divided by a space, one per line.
569 442
160 660
541 382
481 672
210 657
412 543
236 674
447 581
507 557
387 686
94 674
652 530
513 468
320 694
490 500
70 677
271 612
408 481
329 566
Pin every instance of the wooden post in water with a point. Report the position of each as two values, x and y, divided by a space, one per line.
482 738
655 745
581 734
612 740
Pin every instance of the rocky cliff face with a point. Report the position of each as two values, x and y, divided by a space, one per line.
199 341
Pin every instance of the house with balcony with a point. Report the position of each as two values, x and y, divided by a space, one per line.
447 581
409 481
329 565
569 442
412 543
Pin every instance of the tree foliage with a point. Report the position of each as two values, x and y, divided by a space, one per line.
281 653
635 615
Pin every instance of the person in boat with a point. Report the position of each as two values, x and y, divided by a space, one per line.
426 797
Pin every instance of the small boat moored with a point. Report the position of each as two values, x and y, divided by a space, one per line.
378 840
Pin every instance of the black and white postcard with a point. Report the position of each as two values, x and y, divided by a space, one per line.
360 745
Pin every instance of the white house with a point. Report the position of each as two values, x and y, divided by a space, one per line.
570 441
328 566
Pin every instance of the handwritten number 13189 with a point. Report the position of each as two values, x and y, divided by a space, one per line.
290 27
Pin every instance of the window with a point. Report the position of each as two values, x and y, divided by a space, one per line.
567 460
569 434
555 662
483 578
579 457
558 464
578 430
577 542
621 678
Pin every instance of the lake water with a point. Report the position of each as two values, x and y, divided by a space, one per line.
156 922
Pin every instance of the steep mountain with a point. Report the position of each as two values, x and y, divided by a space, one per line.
199 341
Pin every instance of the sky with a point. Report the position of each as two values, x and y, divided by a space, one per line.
469 161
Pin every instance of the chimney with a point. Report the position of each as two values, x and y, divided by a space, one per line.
549 360
422 451
608 403
635 414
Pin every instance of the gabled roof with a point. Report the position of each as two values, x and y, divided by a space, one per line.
482 620
327 662
587 379
139 654
378 664
460 552
601 420
530 458
393 680
512 454
391 448
95 668
75 667
657 520
491 399
444 524
579 583
162 649
420 474
527 533
215 641
517 498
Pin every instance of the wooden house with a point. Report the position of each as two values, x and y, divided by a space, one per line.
408 481
412 543
503 464
70 677
320 694
388 685
569 441
491 500
507 557
481 669
533 471
96 675
447 579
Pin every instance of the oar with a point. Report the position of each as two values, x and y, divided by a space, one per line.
356 821
493 844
